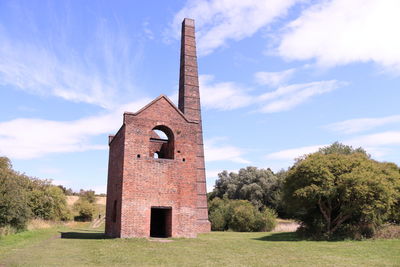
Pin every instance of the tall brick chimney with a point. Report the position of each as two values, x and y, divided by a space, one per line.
157 186
189 96
189 104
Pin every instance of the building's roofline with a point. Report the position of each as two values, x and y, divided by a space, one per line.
154 101
114 135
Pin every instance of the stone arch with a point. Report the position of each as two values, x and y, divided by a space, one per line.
162 143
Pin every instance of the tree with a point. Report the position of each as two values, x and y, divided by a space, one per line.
48 201
86 205
259 186
14 208
88 195
85 209
23 198
341 191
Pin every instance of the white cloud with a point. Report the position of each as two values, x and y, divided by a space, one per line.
230 95
147 31
291 154
377 139
339 32
273 78
223 95
212 173
218 21
32 138
288 97
362 124
379 145
215 151
97 75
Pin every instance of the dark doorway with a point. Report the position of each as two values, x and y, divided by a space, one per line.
161 222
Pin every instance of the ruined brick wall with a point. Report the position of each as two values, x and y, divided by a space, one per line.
150 182
114 183
138 181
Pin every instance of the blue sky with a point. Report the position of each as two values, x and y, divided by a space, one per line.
278 78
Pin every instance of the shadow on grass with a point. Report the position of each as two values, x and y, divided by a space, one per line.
84 235
280 237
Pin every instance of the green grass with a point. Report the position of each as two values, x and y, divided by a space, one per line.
16 242
88 247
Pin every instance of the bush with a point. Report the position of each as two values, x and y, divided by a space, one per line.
244 218
340 193
239 215
88 195
270 219
48 202
86 210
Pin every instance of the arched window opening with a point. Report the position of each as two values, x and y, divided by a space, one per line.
161 143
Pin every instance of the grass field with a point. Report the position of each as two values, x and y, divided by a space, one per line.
88 247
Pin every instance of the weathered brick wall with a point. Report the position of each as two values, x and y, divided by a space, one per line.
189 104
159 182
114 183
139 181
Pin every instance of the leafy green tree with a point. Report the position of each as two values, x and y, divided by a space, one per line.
218 210
340 191
86 205
47 201
86 210
259 186
88 195
14 209
339 148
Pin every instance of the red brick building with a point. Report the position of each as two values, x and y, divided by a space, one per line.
156 174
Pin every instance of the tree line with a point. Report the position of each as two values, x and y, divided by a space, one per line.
336 192
23 198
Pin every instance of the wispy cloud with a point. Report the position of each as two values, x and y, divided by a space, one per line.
46 136
223 95
147 30
273 79
98 74
290 154
230 95
218 21
361 124
377 144
288 97
339 32
377 139
216 150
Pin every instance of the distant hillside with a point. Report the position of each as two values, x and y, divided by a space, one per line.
72 199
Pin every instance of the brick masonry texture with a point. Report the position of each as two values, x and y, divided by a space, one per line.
137 181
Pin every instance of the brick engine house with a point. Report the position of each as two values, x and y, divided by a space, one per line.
156 174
